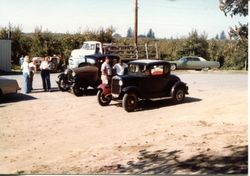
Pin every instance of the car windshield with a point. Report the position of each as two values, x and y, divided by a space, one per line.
183 59
137 69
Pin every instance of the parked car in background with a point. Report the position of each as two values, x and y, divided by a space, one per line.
146 79
56 63
88 75
8 86
193 63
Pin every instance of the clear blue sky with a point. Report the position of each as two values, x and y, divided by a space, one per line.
166 18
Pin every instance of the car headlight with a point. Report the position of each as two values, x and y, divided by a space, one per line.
73 74
120 83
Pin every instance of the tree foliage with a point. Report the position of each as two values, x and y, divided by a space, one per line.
236 7
151 34
232 54
195 45
130 33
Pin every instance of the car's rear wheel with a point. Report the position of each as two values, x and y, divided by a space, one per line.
102 99
129 102
77 91
179 95
173 67
205 69
1 96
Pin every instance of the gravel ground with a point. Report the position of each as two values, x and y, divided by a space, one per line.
58 133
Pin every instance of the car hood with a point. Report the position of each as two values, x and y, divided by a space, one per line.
7 82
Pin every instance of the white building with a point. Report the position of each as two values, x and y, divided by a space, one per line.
5 55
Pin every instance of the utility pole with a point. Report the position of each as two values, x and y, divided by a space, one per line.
136 28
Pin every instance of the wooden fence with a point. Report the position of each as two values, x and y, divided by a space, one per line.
128 52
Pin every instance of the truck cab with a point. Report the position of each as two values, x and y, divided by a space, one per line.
77 57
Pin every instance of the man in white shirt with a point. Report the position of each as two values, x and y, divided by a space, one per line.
106 71
120 67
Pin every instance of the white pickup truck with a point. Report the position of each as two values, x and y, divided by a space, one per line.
77 58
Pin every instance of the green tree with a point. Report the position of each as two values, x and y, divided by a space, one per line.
236 7
239 33
195 45
151 34
223 36
130 33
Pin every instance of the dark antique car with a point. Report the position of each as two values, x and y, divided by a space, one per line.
146 79
88 75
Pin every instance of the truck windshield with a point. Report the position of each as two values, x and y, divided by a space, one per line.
88 46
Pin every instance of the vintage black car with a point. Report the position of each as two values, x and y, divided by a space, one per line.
146 79
88 75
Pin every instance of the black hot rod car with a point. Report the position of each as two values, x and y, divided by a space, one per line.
146 79
88 75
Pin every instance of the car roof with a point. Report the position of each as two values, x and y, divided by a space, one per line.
100 56
148 62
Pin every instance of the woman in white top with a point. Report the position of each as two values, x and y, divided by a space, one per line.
45 74
26 74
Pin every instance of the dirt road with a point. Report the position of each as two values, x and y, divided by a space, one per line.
58 133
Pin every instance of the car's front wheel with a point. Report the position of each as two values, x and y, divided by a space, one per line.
62 85
129 102
102 99
179 95
77 91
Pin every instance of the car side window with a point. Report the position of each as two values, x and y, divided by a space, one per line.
196 59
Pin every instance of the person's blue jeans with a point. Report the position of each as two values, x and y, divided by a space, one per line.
26 87
45 74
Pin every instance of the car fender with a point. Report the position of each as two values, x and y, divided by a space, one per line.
177 85
105 88
61 75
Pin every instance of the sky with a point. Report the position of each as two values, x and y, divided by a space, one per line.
167 18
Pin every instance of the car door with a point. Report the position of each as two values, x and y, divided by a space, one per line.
197 64
156 83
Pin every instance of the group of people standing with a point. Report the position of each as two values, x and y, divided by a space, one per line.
29 68
106 70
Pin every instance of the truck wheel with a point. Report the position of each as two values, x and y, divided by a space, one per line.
179 95
129 102
62 85
173 67
102 100
77 91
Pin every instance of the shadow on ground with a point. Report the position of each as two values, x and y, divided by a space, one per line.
150 105
53 89
13 98
146 105
164 162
